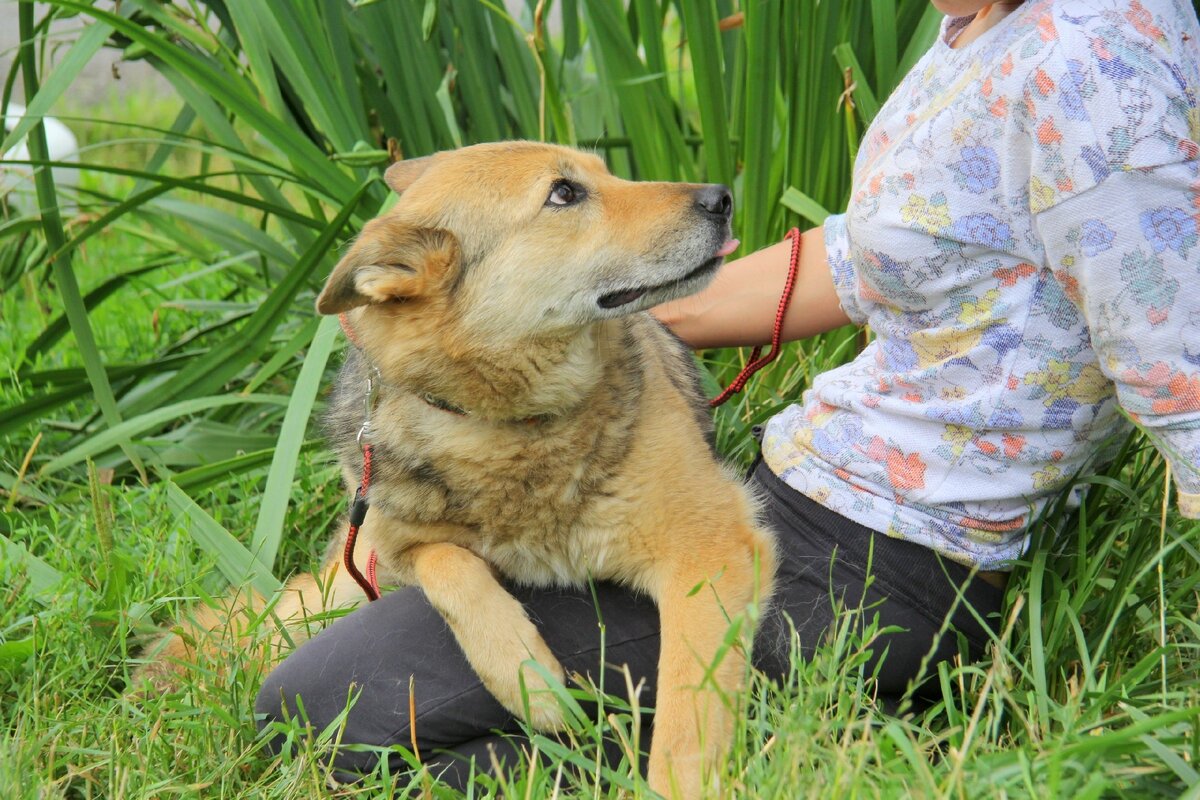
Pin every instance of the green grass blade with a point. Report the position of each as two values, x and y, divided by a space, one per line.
58 82
1181 768
45 581
922 39
343 71
475 61
68 287
649 20
24 491
60 325
1104 737
214 119
762 23
159 184
223 362
804 205
227 230
520 75
249 23
15 652
39 406
1037 642
208 77
62 376
390 36
273 507
219 472
304 41
446 103
234 561
865 102
151 420
284 354
659 150
704 46
560 126
884 32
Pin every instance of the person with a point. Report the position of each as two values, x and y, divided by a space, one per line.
1022 228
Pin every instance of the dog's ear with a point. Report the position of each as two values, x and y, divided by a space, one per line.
390 261
400 176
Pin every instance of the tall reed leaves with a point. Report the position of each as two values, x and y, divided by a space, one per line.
291 108
52 227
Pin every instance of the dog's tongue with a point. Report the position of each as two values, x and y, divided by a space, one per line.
728 247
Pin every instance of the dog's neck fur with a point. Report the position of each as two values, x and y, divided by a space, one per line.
540 378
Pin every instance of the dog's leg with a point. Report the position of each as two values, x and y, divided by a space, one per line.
491 627
700 680
202 636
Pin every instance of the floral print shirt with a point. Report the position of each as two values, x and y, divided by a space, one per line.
1022 239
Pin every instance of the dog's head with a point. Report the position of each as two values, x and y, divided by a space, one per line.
518 239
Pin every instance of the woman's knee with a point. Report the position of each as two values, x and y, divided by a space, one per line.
316 688
355 678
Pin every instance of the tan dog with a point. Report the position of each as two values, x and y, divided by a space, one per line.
530 421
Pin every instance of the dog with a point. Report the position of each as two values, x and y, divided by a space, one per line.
527 418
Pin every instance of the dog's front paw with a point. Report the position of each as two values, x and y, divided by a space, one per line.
164 669
682 777
524 675
545 713
153 680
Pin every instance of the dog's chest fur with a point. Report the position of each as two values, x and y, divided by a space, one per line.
536 499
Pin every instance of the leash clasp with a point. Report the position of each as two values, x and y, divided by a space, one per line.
373 381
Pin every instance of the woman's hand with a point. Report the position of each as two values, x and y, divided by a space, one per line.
738 308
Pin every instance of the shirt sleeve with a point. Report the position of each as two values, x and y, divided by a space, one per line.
1127 253
845 276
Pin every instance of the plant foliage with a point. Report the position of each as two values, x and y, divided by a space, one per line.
163 367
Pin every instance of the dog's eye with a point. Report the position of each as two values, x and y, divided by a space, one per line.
564 193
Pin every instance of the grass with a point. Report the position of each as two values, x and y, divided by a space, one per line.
1081 715
1092 691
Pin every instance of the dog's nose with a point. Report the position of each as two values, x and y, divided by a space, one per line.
715 199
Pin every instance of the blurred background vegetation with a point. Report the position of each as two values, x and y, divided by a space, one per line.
163 365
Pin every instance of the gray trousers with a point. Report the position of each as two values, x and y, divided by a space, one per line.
376 650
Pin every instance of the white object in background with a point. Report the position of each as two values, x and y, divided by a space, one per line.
16 180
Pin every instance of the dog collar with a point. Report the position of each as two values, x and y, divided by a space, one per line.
444 405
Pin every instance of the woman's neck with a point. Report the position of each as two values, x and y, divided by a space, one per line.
985 19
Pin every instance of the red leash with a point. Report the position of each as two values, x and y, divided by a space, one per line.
756 363
358 513
358 509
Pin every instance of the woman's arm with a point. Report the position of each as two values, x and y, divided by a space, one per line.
1126 253
738 308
